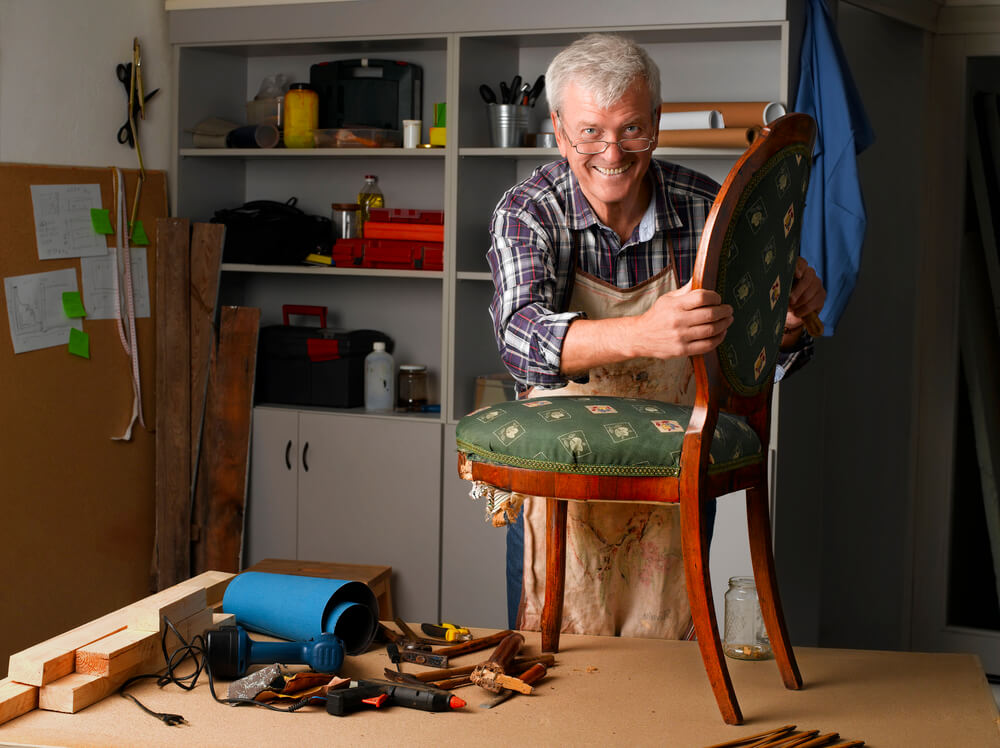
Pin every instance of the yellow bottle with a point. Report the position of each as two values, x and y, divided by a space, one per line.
301 116
369 197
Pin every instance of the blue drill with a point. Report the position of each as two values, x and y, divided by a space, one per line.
231 651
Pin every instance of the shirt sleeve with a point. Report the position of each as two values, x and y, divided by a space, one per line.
794 358
529 328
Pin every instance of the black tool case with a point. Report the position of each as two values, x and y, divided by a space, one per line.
314 365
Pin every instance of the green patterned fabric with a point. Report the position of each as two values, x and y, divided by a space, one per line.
594 435
756 267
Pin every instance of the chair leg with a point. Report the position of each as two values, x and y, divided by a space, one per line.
699 589
759 526
555 573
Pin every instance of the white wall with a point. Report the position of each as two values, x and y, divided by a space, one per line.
60 101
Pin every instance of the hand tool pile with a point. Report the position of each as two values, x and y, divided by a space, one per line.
503 674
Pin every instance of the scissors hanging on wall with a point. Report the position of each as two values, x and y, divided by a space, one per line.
130 76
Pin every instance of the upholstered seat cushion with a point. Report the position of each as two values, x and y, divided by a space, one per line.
598 436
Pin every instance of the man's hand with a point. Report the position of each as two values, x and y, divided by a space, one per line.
807 296
683 322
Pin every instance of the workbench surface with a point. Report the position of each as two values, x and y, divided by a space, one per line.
602 691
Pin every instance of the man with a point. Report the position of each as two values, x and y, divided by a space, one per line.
592 258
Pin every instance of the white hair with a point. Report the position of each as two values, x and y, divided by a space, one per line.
604 65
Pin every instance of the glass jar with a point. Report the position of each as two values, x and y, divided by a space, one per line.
345 220
745 637
412 389
301 116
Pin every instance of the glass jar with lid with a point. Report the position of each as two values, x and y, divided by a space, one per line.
411 392
745 635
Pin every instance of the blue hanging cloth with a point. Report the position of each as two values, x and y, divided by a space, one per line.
834 221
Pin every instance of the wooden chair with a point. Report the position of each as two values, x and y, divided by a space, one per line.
747 253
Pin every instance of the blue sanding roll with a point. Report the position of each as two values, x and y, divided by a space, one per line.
299 608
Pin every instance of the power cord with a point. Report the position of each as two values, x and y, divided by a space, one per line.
196 650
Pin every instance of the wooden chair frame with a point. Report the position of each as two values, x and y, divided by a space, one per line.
696 486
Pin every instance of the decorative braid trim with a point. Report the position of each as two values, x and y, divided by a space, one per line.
621 471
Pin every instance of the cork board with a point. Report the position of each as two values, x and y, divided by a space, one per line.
78 507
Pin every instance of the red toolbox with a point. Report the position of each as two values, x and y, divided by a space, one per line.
406 215
423 232
348 252
398 254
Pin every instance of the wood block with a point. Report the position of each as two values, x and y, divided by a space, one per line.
16 699
214 583
223 619
182 602
55 657
117 653
378 578
75 691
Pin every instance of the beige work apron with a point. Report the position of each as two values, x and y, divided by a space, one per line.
624 568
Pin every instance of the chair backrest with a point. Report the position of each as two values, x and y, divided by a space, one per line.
748 253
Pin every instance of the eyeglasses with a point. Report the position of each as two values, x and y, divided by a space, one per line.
629 145
594 147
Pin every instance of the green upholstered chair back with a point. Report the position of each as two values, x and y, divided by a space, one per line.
750 247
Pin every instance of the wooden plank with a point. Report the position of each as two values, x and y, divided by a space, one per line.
220 493
16 699
213 582
206 271
979 343
54 658
173 394
117 653
176 604
77 691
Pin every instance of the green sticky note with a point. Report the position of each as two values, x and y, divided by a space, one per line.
139 233
440 114
79 343
73 304
101 220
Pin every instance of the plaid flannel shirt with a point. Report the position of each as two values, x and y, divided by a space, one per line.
540 224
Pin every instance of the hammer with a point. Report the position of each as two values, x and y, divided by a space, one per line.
492 674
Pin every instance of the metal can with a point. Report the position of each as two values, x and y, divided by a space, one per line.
301 116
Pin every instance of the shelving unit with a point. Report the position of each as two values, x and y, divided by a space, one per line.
436 318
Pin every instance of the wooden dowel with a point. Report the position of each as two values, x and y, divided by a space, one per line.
474 645
819 740
519 665
752 738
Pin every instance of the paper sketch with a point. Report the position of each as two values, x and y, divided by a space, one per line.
99 285
62 221
35 309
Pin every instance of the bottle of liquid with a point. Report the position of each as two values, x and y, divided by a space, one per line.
380 380
369 197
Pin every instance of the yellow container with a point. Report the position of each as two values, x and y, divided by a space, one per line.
301 116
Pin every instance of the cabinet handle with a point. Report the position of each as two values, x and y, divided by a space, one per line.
288 455
305 453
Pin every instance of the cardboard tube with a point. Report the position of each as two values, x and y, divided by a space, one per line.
734 113
694 120
726 137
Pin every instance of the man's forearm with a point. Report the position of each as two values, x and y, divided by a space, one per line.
596 342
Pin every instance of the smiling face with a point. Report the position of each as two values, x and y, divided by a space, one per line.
614 182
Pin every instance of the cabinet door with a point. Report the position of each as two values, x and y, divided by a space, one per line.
370 493
272 505
473 552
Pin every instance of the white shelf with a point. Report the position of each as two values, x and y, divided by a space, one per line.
238 267
312 152
474 276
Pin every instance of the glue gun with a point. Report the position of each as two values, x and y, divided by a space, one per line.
231 651
377 694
